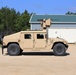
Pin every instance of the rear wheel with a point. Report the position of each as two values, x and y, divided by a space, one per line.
59 49
13 49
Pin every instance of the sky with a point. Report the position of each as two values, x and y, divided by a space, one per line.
41 6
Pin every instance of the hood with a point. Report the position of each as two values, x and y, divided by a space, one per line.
12 37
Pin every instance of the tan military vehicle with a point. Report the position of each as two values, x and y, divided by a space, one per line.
34 41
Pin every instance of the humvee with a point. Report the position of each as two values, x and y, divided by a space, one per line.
34 41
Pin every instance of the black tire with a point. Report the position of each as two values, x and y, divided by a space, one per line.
59 49
13 49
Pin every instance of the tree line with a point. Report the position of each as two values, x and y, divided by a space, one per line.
70 13
12 21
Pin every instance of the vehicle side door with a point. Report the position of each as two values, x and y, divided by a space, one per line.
40 40
27 40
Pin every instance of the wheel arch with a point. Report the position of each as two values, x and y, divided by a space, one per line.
58 43
12 43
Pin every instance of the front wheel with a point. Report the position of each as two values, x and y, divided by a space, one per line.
13 49
59 49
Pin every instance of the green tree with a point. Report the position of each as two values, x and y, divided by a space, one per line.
12 21
8 20
22 22
71 13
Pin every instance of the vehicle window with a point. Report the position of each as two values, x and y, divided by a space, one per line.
40 36
27 36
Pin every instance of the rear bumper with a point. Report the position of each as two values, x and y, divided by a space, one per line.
67 46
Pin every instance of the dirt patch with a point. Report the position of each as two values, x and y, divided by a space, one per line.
39 63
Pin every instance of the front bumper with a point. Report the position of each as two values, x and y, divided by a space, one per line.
3 49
